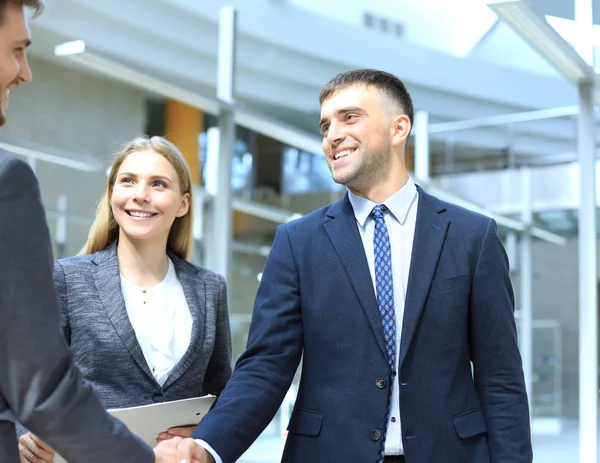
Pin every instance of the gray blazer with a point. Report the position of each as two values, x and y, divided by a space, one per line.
104 344
39 386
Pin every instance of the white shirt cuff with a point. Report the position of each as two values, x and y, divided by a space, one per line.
210 450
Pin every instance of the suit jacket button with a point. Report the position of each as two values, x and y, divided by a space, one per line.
375 434
158 398
380 383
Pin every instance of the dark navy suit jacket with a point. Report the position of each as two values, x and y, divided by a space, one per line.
316 302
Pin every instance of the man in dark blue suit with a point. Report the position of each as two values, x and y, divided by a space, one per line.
399 305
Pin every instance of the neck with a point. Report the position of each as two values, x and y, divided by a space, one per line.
381 191
141 262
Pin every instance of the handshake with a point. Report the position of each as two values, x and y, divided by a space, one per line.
178 450
174 446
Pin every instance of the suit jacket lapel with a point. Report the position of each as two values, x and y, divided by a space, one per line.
195 295
430 233
344 235
108 284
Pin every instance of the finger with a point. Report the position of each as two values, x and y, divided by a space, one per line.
169 442
26 454
188 450
163 436
24 437
27 442
182 431
166 451
37 453
41 444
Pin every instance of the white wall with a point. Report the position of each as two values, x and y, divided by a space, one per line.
74 111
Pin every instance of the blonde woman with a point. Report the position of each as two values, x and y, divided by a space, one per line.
144 324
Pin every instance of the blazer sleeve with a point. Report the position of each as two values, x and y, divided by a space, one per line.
497 367
39 381
60 286
219 366
264 372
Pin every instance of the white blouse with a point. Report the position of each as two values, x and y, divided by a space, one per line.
162 322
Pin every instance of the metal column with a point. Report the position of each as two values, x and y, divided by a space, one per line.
526 282
33 164
510 245
588 272
422 145
218 249
198 225
588 298
62 224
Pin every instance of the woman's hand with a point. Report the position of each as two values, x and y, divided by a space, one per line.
33 450
180 431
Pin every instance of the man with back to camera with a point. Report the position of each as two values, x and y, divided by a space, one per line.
39 385
388 295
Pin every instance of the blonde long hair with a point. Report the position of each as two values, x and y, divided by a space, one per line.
105 230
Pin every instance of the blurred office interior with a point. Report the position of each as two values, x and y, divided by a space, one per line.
506 124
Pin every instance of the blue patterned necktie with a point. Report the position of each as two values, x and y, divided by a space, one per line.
385 298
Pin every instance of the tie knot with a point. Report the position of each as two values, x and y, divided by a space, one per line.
379 210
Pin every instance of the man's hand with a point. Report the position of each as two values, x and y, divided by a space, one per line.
181 431
33 450
189 451
166 451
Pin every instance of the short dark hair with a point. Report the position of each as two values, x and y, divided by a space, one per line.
36 5
385 82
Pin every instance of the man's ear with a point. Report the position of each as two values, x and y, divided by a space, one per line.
401 127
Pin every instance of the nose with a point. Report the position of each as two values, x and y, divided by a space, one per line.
140 195
25 75
334 135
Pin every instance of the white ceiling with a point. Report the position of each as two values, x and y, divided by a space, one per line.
286 53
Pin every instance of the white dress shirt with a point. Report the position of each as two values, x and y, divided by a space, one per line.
162 322
400 222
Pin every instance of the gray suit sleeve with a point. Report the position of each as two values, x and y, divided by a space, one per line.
39 381
219 366
60 286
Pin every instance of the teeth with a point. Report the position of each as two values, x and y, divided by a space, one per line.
144 215
342 154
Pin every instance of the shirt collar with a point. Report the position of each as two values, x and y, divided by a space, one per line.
399 203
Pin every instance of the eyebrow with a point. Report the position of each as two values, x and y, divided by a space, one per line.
342 111
153 177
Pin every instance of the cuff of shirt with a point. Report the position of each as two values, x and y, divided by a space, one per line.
209 449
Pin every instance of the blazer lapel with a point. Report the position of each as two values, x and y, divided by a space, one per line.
344 235
195 295
108 284
430 233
